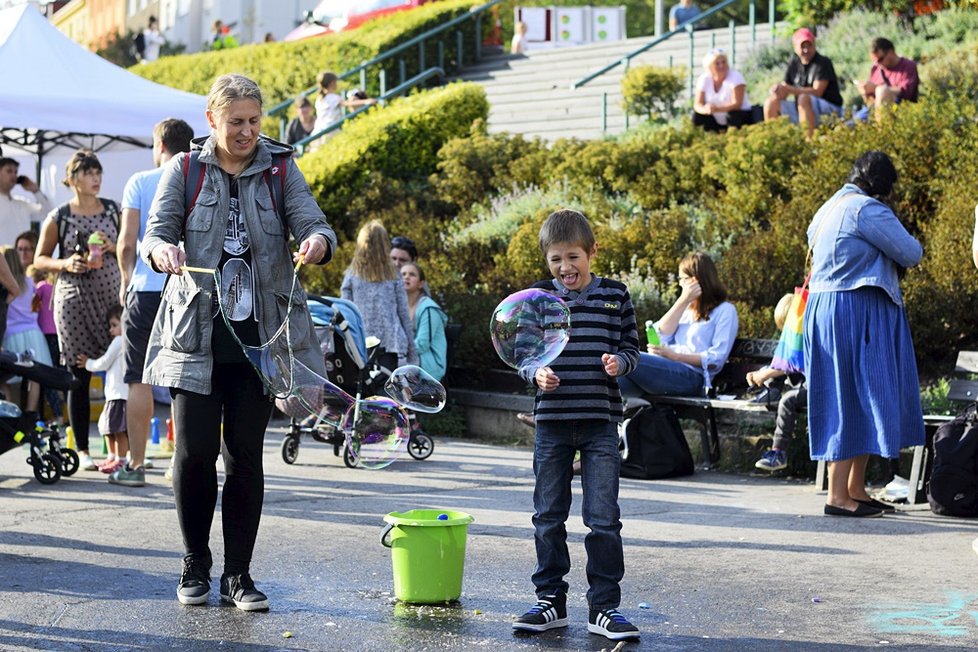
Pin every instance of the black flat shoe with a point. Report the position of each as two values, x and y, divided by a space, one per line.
875 504
863 511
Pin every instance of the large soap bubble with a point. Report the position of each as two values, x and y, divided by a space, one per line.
377 432
530 328
415 389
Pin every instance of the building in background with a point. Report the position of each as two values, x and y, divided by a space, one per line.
92 22
138 13
73 21
189 21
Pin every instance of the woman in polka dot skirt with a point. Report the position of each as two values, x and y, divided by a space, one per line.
85 230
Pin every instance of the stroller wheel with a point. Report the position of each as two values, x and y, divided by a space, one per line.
420 446
69 461
290 449
348 458
47 468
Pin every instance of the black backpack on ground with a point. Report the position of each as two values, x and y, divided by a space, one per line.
953 486
654 445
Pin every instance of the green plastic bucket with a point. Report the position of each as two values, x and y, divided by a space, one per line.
427 553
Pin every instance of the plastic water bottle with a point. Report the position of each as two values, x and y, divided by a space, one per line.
651 335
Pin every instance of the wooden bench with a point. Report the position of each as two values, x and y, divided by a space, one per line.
961 391
746 355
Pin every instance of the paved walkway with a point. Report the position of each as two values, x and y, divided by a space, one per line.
724 562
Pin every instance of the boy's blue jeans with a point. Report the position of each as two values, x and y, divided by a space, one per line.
553 458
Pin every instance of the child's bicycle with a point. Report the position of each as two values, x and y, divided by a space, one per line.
49 460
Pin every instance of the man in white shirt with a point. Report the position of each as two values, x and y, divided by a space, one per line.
141 289
16 214
153 40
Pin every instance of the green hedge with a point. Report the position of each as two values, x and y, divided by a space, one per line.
746 197
284 69
378 166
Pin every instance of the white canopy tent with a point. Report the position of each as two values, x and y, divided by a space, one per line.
57 97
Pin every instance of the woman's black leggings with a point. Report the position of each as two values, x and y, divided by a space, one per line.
80 406
238 395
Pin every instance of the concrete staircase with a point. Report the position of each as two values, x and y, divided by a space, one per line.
530 94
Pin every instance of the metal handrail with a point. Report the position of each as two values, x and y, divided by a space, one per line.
475 13
301 145
684 28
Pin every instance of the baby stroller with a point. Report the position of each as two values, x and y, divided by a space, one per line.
47 457
354 369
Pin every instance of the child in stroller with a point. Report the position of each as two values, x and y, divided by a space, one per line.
349 366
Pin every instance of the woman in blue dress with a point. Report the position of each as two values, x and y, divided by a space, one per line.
864 394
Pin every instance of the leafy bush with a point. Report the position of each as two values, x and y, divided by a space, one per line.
378 165
652 91
284 69
471 167
474 202
400 142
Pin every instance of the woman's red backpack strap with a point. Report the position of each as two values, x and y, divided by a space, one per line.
193 181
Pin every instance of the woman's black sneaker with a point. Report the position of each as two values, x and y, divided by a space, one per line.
195 580
240 589
611 624
549 612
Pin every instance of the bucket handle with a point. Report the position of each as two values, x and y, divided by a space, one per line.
385 535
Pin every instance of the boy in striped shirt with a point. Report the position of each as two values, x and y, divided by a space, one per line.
578 407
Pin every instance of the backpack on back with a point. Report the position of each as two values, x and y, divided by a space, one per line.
953 486
655 445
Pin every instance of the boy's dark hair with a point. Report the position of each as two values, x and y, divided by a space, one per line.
567 226
405 243
5 161
114 312
175 134
882 45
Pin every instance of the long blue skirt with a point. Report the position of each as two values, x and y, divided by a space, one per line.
863 390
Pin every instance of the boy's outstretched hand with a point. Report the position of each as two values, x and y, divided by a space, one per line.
610 362
546 379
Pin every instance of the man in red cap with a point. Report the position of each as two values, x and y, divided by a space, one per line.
811 78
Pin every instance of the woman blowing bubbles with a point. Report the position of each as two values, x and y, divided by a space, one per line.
232 226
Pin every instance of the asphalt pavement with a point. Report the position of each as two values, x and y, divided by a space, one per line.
714 562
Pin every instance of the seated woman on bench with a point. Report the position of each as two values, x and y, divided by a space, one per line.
697 333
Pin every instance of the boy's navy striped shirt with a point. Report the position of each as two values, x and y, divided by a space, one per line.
602 321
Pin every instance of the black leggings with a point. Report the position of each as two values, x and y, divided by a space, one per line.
237 393
734 119
80 406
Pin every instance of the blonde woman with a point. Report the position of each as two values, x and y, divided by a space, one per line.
375 286
721 95
234 227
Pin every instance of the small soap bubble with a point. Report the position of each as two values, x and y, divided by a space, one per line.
377 432
530 328
415 389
